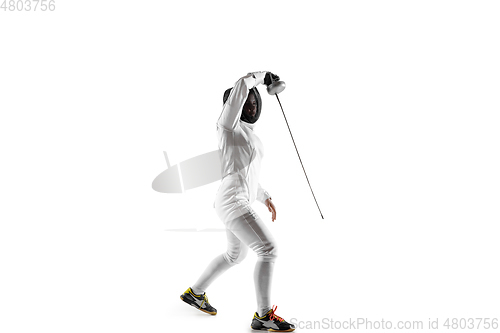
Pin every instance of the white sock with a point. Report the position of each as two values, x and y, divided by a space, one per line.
197 291
216 267
262 311
263 274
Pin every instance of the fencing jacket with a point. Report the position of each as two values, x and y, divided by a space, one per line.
241 150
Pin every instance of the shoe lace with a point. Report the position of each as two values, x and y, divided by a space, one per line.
205 300
273 316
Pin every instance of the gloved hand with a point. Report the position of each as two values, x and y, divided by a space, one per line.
270 78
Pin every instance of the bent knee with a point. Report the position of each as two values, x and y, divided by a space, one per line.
236 258
269 252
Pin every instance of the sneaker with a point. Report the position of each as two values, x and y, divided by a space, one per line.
198 301
271 322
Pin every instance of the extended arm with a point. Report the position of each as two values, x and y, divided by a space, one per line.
231 110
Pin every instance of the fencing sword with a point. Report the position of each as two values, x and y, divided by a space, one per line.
274 89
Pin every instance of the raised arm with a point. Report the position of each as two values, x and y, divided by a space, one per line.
231 110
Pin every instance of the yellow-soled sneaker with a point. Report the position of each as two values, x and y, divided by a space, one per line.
198 301
271 322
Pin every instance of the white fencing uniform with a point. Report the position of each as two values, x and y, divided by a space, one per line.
241 153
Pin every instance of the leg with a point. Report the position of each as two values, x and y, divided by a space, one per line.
251 230
236 252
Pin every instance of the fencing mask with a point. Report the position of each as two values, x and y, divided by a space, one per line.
251 108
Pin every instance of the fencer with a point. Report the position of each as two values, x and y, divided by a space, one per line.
241 155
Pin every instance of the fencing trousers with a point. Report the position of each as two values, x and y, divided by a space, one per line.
245 231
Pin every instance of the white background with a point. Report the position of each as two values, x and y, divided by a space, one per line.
394 106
